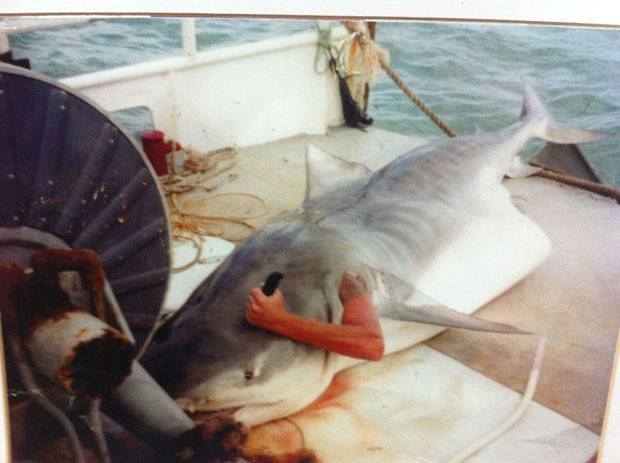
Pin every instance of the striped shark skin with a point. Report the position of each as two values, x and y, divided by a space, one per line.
393 227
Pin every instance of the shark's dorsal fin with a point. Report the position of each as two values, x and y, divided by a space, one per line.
326 173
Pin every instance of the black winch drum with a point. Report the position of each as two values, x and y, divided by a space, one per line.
71 177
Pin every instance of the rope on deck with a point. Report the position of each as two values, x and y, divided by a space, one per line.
189 199
519 412
599 188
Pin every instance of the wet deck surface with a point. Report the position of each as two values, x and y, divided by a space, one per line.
276 172
573 295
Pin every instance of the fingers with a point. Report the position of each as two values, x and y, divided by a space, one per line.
258 295
352 278
351 285
257 308
252 310
257 300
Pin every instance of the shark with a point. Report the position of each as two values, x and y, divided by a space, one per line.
434 234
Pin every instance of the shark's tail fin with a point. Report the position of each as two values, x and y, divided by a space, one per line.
534 110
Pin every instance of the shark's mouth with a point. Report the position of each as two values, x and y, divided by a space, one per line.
202 416
202 407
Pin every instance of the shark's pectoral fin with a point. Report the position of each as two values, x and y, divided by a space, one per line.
443 316
422 308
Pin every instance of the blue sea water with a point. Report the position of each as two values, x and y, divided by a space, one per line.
469 74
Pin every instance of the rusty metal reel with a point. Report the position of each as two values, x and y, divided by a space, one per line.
71 177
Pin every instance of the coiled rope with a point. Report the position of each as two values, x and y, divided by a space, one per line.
191 202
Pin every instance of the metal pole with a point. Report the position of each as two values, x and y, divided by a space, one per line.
4 43
188 29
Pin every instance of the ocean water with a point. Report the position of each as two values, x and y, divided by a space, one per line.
469 74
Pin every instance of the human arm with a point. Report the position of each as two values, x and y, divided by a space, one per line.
358 335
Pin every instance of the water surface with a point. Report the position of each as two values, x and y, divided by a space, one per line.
469 74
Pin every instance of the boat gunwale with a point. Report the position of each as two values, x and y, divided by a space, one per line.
201 58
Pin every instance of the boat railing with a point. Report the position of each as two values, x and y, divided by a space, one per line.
237 95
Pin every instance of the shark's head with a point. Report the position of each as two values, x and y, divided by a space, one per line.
209 358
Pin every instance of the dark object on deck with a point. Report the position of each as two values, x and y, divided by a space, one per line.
218 439
566 159
272 282
68 172
354 116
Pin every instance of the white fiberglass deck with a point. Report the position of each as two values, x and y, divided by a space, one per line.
420 403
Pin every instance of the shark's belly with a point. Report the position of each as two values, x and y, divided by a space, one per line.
483 259
295 385
459 253
490 249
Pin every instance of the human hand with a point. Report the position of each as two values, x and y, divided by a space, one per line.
262 310
351 286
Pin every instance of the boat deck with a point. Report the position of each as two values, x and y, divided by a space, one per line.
276 171
573 297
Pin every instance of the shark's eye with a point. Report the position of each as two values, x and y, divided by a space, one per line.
252 370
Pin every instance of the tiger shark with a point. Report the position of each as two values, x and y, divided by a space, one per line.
436 217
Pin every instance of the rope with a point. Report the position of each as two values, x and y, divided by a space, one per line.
600 188
322 50
197 242
27 376
191 223
302 437
400 83
413 97
198 169
93 419
334 54
518 413
188 220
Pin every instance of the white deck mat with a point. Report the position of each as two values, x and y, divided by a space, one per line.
420 405
183 283
416 405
